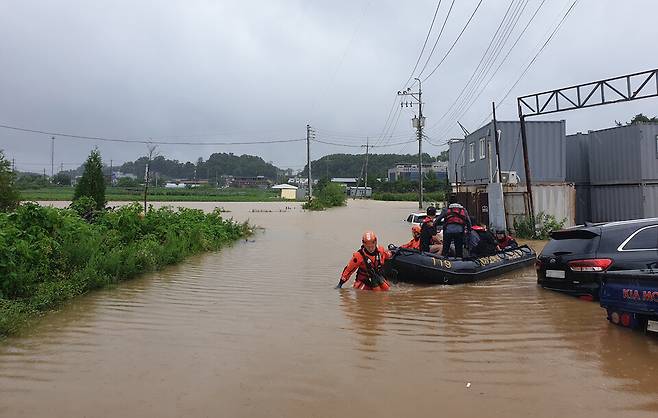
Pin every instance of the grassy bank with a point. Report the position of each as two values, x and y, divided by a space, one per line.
48 255
408 197
160 194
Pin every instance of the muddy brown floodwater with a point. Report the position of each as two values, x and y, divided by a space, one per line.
257 330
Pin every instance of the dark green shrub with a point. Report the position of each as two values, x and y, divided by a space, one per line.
92 182
9 197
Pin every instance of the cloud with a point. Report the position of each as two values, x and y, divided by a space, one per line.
259 70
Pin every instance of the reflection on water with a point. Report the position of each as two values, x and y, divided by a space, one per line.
258 330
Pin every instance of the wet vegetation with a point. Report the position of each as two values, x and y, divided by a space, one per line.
329 195
49 255
543 226
160 194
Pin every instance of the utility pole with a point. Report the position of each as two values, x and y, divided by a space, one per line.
418 123
496 139
151 149
365 184
526 165
309 134
52 157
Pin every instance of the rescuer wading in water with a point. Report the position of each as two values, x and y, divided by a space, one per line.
367 262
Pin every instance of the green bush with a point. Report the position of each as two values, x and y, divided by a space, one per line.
92 182
9 197
50 255
329 196
543 226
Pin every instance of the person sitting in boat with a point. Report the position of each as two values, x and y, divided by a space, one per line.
415 239
437 243
456 223
505 241
428 229
486 244
367 262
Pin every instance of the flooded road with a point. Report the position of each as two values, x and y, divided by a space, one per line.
257 330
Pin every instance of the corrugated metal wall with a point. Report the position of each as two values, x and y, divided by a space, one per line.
583 204
650 193
649 133
558 200
577 158
546 149
616 203
455 157
477 171
546 152
615 156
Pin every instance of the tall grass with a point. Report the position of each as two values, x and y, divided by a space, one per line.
50 255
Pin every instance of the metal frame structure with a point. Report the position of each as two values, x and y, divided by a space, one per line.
624 88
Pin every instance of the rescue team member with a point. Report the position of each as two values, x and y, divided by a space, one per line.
505 241
415 239
367 262
486 242
428 229
456 223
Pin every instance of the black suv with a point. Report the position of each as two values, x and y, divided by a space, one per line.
571 258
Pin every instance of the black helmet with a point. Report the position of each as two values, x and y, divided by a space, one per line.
431 211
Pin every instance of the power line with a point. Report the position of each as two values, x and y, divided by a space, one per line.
504 60
130 141
394 127
538 53
429 31
437 39
473 94
493 38
455 42
360 146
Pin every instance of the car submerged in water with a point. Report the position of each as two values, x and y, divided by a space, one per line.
416 218
570 261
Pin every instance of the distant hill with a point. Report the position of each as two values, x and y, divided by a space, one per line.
350 165
217 165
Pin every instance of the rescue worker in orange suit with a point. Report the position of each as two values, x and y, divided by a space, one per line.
414 244
456 223
367 262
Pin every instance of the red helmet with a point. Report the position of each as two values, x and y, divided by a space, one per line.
369 237
415 229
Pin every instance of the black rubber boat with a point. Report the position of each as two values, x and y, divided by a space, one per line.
413 266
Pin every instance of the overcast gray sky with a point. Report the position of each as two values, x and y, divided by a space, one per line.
251 70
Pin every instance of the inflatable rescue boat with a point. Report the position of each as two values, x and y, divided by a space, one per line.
413 266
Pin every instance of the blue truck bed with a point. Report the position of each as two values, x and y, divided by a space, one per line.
631 298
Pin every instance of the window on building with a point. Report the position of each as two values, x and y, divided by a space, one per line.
471 151
642 240
483 148
656 146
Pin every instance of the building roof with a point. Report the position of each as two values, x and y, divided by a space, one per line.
343 180
284 186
